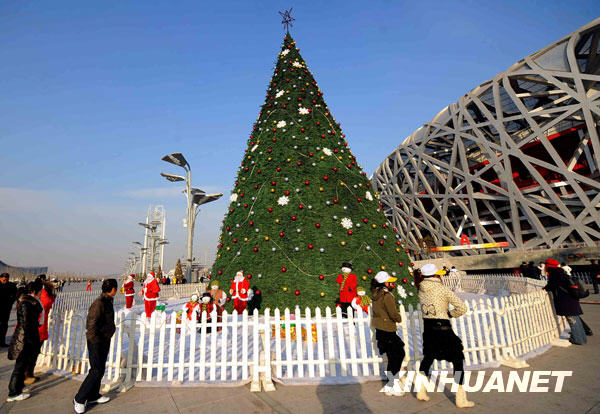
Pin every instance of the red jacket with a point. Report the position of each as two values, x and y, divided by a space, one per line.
128 287
151 290
206 307
348 289
47 302
191 308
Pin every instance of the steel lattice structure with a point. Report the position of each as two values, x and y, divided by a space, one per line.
516 159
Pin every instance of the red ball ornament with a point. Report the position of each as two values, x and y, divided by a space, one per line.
258 291
381 242
366 220
220 272
404 281
317 225
321 277
306 182
297 292
287 192
283 269
293 217
369 271
281 234
251 224
325 178
335 169
302 129
270 210
255 249
228 299
349 232
359 199
227 228
310 246
235 240
398 243
249 275
273 182
300 206
278 169
393 286
299 163
255 187
274 140
245 205
335 201
318 123
400 264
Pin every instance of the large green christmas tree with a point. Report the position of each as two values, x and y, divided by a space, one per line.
302 204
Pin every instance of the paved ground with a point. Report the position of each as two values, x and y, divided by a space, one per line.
581 393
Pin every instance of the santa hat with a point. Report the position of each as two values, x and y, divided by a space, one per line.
130 277
552 263
239 273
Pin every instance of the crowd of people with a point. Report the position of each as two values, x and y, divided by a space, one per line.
438 305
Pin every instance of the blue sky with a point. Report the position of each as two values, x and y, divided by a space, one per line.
93 94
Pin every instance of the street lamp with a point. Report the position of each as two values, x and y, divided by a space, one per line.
195 198
155 241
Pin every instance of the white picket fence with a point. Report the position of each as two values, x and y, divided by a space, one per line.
81 299
255 348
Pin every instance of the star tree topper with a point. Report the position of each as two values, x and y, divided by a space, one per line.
287 19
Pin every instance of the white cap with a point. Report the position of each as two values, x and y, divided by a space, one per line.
429 269
383 277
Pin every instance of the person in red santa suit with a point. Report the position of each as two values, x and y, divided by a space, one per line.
150 291
128 291
239 291
347 289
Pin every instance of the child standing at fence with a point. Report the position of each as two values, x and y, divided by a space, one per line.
384 319
439 340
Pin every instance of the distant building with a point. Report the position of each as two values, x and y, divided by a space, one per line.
515 160
22 271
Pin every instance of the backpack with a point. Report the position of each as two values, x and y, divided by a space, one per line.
576 289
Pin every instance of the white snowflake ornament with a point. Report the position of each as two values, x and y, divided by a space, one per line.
283 200
233 198
346 223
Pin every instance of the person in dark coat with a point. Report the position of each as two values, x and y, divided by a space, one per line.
8 295
594 272
99 329
25 343
565 304
384 317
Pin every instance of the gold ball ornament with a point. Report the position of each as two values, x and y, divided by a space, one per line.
342 183
340 158
397 250
269 159
276 220
321 189
374 226
342 243
245 239
243 178
228 248
322 157
288 160
266 238
322 294
363 277
272 190
219 256
382 267
285 288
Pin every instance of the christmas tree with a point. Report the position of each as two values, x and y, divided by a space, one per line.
302 204
178 274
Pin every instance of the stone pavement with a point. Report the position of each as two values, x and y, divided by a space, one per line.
580 394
